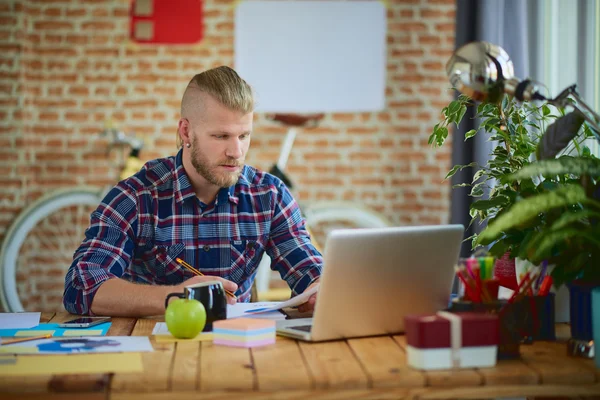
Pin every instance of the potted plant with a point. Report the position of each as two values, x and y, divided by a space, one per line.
561 218
515 127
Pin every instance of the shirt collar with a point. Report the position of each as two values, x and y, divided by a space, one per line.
183 189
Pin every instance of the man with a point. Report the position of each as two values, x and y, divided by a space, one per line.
203 206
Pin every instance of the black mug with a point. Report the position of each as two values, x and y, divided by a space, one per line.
212 296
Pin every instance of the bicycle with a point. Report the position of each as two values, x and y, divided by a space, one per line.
321 217
45 234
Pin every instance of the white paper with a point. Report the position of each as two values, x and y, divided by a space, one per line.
76 345
161 329
313 56
293 302
24 320
241 310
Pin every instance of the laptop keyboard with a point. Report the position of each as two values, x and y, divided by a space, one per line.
304 328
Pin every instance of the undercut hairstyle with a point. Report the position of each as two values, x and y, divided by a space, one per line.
221 83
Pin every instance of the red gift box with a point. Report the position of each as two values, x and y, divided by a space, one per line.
452 340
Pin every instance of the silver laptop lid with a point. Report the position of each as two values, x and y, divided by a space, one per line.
373 277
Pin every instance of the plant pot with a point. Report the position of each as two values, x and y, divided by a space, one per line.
561 300
582 337
596 322
581 310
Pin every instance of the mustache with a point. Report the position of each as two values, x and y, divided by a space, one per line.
232 163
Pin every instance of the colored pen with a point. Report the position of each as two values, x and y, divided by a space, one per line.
545 286
25 339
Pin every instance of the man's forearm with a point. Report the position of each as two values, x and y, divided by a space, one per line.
119 298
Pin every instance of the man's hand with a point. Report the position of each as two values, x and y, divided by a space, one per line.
227 285
312 300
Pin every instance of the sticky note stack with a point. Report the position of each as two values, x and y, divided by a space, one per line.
244 332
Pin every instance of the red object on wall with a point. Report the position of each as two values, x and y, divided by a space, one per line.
166 21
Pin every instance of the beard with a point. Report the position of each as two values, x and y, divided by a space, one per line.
212 172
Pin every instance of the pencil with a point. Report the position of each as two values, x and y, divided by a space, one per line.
25 339
195 271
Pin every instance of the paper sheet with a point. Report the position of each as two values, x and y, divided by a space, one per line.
24 320
71 364
322 56
293 302
91 344
243 310
55 330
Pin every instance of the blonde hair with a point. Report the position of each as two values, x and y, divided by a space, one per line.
224 85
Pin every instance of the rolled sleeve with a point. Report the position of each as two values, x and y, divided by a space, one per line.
105 252
295 258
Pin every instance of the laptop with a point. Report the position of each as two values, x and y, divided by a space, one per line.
373 277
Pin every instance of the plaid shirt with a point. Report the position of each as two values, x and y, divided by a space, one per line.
153 217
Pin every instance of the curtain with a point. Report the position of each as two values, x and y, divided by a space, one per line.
506 23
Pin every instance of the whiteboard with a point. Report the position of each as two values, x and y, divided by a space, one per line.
304 56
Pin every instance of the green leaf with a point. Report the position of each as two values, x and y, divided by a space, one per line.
454 107
546 110
559 166
487 204
478 174
477 190
461 185
573 217
470 134
453 171
461 113
526 209
554 238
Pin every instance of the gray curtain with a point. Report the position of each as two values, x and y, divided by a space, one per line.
505 23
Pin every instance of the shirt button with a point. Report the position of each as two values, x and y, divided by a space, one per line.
251 245
206 247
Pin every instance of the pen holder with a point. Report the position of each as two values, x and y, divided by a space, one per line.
491 286
512 320
540 316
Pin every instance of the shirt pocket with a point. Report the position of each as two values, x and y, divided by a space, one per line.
245 257
160 262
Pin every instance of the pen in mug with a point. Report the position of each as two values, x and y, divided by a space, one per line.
195 271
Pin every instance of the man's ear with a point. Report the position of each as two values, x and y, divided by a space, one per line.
184 131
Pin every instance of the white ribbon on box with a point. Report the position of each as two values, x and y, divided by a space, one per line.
455 336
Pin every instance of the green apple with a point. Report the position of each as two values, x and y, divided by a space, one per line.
185 318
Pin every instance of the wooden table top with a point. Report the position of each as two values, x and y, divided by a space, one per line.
356 368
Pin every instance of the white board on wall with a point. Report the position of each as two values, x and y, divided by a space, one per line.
304 56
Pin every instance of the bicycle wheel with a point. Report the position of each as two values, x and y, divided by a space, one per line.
323 217
38 249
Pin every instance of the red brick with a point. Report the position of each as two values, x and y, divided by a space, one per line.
98 26
124 12
76 12
445 28
48 116
7 20
79 90
52 12
407 27
102 52
57 52
100 12
53 25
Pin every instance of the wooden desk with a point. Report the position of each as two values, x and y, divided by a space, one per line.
352 369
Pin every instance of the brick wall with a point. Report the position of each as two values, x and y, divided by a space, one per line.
66 66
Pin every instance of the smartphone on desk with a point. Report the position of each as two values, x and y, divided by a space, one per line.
84 322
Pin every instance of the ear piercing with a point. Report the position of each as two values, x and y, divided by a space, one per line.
188 145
